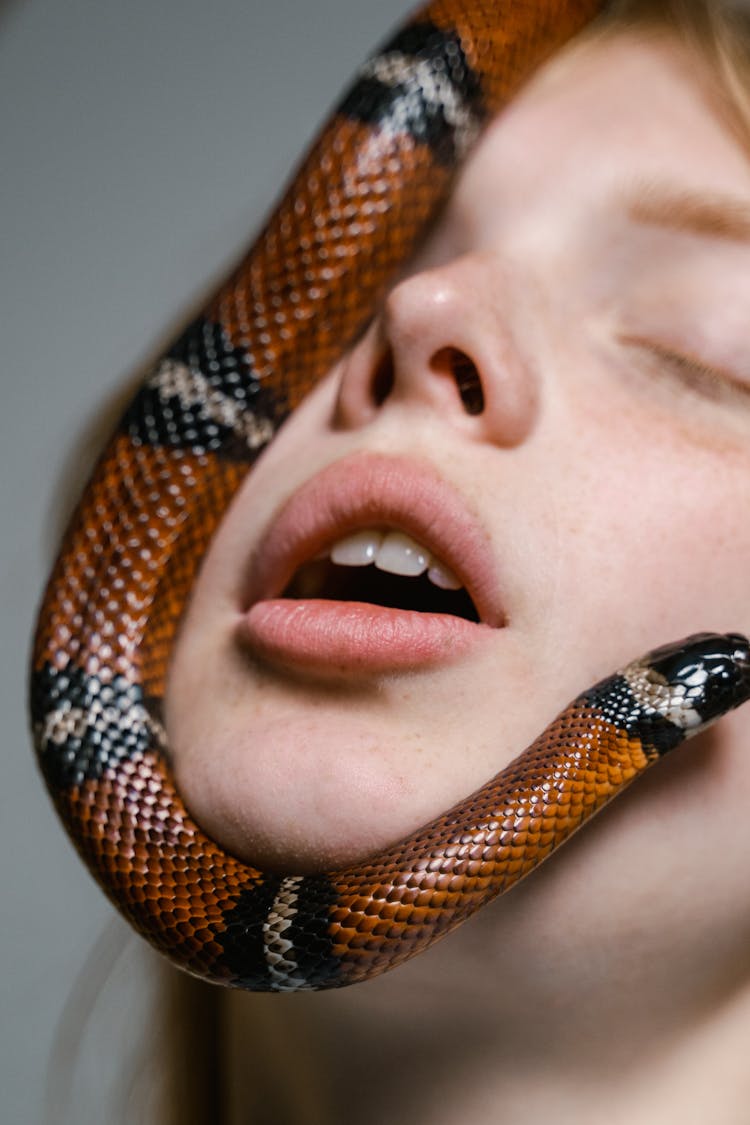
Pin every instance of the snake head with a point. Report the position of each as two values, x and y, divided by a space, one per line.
704 676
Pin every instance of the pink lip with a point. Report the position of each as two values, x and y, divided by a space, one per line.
366 490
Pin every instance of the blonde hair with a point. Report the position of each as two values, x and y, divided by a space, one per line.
716 31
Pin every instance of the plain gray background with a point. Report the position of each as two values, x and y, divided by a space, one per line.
140 145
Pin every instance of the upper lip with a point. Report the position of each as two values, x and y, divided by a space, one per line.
375 489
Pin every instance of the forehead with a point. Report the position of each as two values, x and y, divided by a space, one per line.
606 111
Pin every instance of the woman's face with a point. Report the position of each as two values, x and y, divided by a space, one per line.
591 277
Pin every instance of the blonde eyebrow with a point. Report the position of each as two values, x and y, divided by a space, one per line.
690 212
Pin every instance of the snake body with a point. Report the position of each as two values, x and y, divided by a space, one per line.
352 215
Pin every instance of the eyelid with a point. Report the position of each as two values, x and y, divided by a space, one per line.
695 373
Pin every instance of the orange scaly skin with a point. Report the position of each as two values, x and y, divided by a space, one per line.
353 213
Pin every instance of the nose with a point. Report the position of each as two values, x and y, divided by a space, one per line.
444 341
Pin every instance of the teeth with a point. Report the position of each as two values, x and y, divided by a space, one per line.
395 552
359 549
399 554
443 577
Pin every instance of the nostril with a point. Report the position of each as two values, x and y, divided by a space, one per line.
454 362
382 380
450 361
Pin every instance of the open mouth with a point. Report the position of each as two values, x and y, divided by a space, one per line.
375 565
383 567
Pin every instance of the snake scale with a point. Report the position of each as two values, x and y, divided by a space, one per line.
353 213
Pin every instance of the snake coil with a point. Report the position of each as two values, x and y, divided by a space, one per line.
352 215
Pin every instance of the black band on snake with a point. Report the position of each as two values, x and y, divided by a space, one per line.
305 289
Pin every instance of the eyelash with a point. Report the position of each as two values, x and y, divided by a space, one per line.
693 373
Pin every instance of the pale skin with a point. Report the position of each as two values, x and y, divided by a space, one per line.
610 475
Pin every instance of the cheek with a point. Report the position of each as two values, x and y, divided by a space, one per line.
654 539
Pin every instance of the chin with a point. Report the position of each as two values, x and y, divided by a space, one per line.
306 794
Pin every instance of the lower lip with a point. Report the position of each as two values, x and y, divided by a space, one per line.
351 637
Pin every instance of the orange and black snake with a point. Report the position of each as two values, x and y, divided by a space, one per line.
352 215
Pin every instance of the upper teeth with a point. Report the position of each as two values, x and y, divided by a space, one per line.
395 552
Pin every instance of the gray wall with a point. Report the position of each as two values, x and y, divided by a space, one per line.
140 144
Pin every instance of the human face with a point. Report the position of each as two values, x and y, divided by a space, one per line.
595 506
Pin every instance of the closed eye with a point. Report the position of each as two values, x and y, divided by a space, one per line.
704 379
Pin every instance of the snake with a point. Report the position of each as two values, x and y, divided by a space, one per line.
352 215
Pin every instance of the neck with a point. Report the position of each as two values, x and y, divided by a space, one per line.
533 1010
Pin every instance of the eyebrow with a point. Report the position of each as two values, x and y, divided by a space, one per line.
690 212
